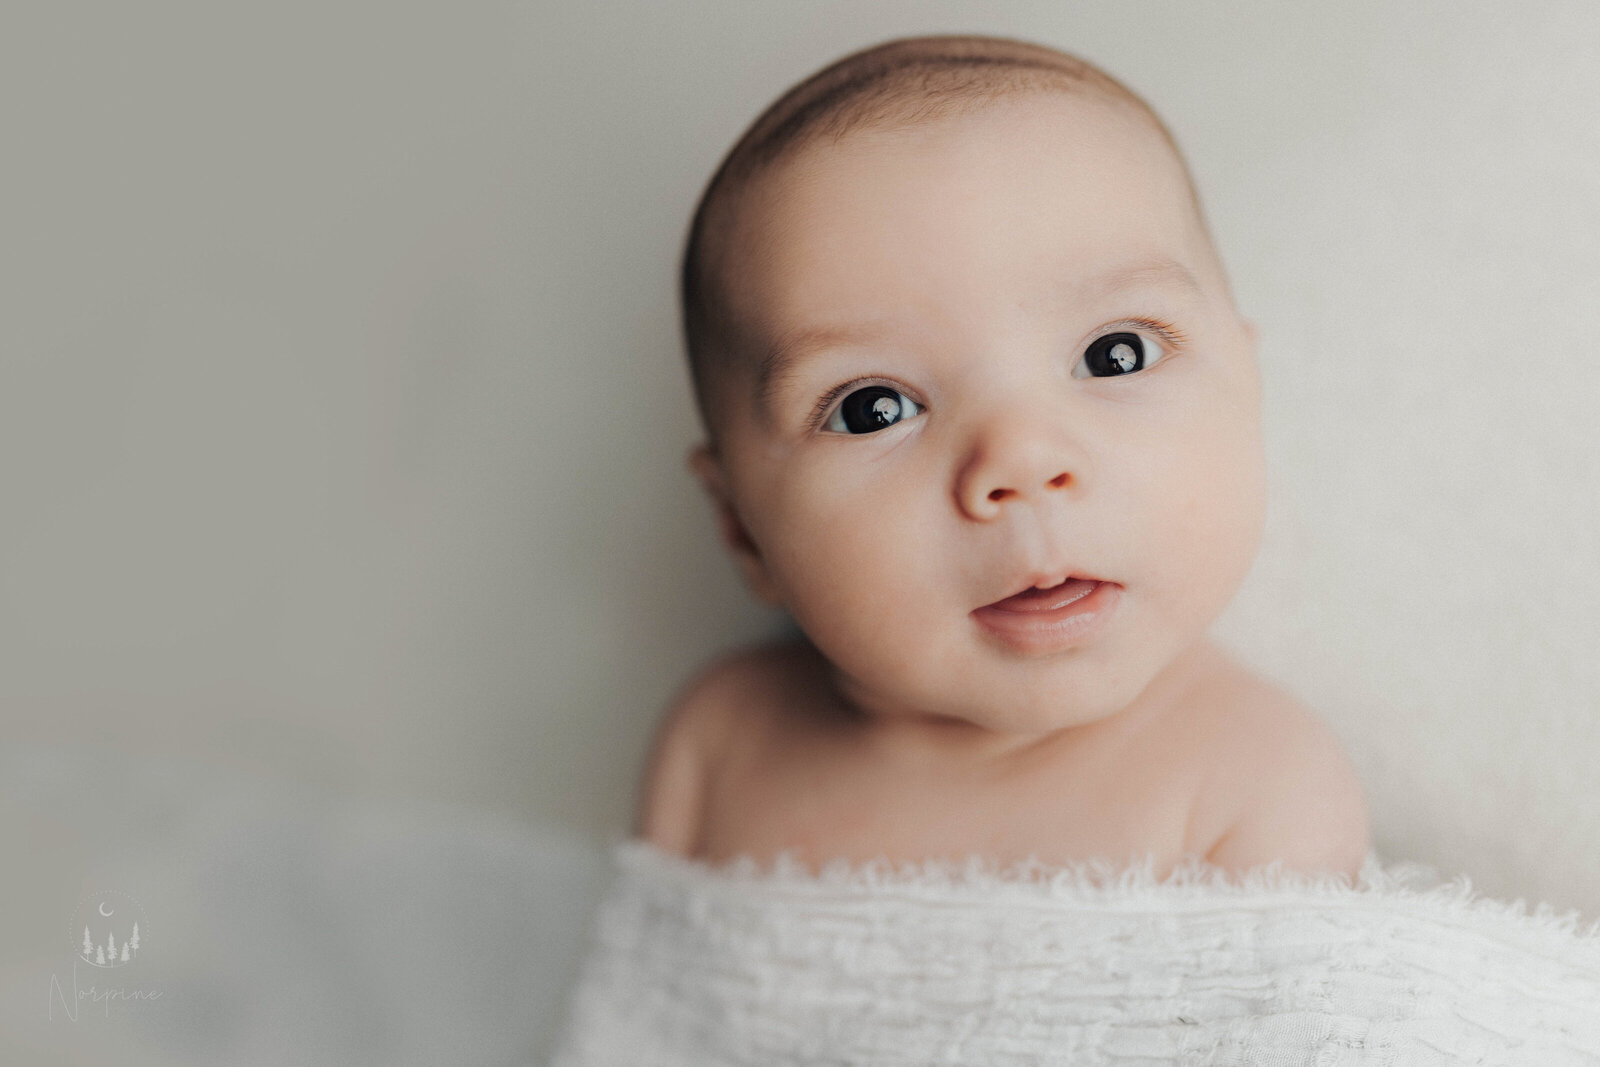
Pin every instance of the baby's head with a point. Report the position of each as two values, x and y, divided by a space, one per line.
957 329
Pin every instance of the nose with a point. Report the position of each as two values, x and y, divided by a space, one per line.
1023 457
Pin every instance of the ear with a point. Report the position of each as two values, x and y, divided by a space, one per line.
707 468
1250 331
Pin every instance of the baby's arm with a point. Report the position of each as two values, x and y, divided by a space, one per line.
1303 803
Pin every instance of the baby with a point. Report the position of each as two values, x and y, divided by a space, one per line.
982 416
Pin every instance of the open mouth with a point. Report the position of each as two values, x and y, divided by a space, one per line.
1031 599
1065 615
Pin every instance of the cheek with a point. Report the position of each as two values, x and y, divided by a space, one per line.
853 544
1206 497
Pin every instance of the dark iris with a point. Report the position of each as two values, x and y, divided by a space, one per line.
1115 353
872 408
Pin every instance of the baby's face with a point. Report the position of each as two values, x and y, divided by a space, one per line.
954 290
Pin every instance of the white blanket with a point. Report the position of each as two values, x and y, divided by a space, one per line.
940 963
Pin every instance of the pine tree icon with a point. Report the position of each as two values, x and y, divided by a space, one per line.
134 939
111 946
100 955
88 946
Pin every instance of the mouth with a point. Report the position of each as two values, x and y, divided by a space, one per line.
1051 618
1047 593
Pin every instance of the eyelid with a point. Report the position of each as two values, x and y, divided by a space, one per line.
1164 330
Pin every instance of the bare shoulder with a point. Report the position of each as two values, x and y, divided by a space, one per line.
1282 785
689 738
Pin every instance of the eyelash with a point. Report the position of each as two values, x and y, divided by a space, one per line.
1167 332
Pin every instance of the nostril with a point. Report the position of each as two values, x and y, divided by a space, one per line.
1062 479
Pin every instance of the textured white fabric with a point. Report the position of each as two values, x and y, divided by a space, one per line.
943 963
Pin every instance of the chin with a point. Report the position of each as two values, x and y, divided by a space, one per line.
1042 709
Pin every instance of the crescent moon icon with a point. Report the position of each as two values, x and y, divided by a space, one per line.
103 910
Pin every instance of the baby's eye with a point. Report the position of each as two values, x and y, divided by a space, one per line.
871 409
1117 353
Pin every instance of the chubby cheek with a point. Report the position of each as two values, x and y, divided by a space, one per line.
859 559
1205 498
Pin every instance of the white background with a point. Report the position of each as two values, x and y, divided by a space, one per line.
343 411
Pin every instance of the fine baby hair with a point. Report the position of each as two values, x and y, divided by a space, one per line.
906 81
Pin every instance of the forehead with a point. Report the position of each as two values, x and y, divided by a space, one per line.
1033 197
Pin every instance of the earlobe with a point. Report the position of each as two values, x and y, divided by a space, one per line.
707 469
703 465
1251 332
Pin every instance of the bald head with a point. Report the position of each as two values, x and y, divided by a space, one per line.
898 84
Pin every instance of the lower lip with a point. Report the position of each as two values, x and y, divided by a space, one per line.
1054 629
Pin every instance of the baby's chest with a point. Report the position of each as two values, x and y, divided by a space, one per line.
813 795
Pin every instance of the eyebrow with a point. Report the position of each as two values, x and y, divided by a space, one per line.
785 356
795 347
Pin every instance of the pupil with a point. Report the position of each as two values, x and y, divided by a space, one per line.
1116 353
870 409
